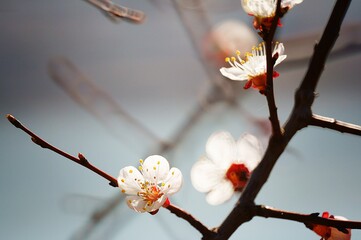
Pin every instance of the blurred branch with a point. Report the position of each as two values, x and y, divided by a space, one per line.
334 124
102 105
197 24
115 11
79 160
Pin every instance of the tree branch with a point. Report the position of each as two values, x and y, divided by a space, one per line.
268 38
323 48
301 113
191 220
79 160
269 212
334 124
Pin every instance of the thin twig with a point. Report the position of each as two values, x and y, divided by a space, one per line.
269 212
331 123
276 129
79 160
190 219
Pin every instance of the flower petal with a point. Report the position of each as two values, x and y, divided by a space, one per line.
280 59
259 8
155 168
290 3
220 193
173 182
280 49
221 149
136 203
234 73
129 179
139 205
157 204
205 175
338 235
249 151
245 7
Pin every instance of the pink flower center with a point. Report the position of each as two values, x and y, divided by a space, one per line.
238 174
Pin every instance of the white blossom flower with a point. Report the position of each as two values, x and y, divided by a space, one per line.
226 167
254 68
330 233
264 10
149 188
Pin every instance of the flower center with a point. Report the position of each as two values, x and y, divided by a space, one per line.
259 81
150 192
238 174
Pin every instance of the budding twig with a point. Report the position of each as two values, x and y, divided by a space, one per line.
79 160
269 212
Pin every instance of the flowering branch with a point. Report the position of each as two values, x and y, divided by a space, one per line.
300 116
79 160
269 212
334 124
192 220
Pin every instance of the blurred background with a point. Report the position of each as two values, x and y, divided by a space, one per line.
118 91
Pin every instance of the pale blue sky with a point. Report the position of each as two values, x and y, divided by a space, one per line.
152 71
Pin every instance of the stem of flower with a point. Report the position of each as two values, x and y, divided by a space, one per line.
79 160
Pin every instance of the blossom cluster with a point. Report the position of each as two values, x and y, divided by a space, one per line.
227 164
